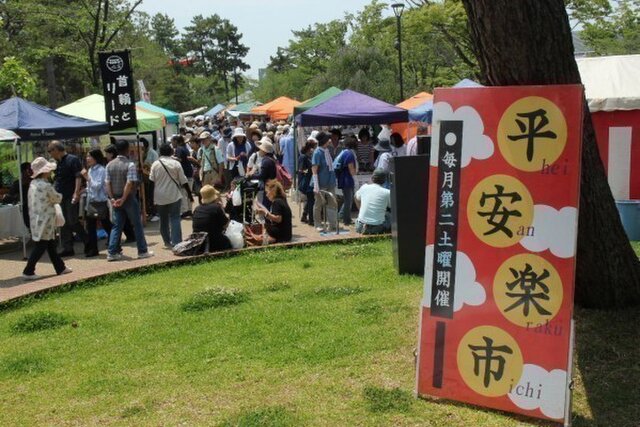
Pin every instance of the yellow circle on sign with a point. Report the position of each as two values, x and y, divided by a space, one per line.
532 133
528 290
489 360
500 211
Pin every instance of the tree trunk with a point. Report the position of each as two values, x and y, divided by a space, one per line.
528 42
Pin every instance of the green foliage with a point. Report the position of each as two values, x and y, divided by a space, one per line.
214 298
359 53
609 28
273 416
385 400
15 79
39 321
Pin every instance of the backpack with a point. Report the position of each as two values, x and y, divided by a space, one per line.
283 176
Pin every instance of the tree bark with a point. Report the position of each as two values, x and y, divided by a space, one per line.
528 42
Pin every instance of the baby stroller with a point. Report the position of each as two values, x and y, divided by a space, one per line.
248 190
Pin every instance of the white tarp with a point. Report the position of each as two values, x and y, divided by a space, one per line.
611 82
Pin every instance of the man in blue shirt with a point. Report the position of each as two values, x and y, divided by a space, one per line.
287 147
324 179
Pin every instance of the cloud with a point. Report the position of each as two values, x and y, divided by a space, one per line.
539 388
476 145
554 230
467 290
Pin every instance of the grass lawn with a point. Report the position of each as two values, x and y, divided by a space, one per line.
316 336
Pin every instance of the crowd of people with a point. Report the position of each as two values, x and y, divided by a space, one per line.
208 159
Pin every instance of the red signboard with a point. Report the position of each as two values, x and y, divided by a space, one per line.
496 319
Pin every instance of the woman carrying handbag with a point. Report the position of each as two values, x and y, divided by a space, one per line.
42 199
97 207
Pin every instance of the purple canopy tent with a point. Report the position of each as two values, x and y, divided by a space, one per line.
352 108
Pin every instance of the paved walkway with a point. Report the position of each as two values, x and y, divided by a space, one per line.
12 285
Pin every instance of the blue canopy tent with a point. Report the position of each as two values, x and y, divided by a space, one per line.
424 112
215 110
33 122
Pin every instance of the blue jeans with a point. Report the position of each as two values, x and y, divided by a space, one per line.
345 211
170 228
129 209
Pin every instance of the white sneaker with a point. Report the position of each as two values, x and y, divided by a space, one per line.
320 229
114 257
31 277
66 271
147 254
154 218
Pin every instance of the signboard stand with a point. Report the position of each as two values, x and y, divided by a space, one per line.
119 98
496 325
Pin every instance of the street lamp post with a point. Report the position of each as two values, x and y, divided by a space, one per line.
398 8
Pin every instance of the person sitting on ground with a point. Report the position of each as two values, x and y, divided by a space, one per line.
278 216
209 217
374 200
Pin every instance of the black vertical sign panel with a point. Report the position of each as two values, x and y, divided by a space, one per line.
447 204
118 89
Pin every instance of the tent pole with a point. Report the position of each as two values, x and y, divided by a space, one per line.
24 237
143 208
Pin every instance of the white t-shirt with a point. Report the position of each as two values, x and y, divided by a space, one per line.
166 189
383 160
374 201
412 146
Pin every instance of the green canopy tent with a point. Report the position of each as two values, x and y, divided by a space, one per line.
171 116
92 107
316 100
244 109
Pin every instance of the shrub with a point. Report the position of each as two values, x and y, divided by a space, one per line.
213 298
385 400
39 321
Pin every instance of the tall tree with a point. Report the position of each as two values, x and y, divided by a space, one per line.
529 42
165 33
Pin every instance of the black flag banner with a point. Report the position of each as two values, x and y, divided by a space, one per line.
117 85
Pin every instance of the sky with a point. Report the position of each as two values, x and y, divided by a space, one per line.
265 24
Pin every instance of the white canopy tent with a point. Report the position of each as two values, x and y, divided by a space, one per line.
611 83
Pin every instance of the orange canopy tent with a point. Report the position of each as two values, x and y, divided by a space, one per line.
409 130
278 109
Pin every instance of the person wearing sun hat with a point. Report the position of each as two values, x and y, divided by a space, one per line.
42 198
267 167
209 217
238 153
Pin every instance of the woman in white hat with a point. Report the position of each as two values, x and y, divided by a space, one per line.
238 153
42 214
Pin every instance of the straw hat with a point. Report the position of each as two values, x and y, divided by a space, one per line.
255 131
266 145
208 194
41 165
204 135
